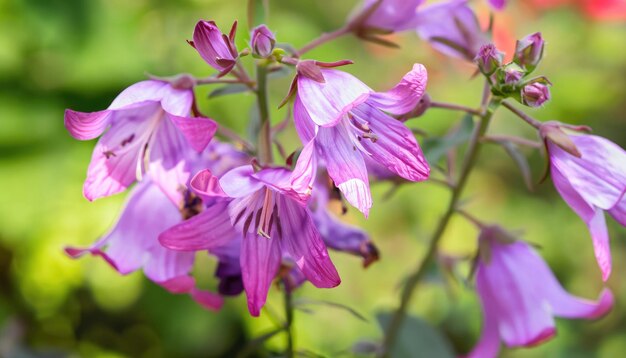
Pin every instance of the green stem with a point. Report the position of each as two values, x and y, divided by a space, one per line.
264 140
289 323
473 149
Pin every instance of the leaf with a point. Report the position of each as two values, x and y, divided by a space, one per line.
254 124
522 163
417 339
257 342
307 302
365 347
437 147
229 89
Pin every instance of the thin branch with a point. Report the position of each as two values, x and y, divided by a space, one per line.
497 139
324 38
528 119
455 107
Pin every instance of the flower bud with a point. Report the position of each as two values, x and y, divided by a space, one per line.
489 59
551 131
512 74
529 51
262 41
217 49
535 94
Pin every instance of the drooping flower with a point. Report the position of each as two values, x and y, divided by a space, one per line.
266 209
591 183
146 128
346 121
386 15
133 244
217 49
262 41
520 296
452 28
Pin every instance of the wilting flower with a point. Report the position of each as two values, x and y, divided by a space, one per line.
265 209
145 128
535 94
520 295
262 41
591 183
452 28
387 15
489 59
217 49
133 244
529 51
347 122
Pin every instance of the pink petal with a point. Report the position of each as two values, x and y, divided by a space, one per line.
569 306
240 182
489 342
302 241
394 15
207 186
85 126
395 147
305 126
406 95
208 40
600 238
345 166
618 212
208 300
260 260
180 284
327 103
497 4
198 131
209 229
177 102
139 93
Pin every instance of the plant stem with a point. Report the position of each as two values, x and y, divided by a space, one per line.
264 140
455 107
289 322
528 119
216 80
325 37
395 325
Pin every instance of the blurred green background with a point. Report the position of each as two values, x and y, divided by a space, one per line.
57 54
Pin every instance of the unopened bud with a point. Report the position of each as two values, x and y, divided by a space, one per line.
489 59
551 131
529 51
262 41
535 94
512 74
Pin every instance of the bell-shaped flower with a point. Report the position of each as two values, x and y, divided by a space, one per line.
266 209
452 28
147 127
217 49
591 180
386 15
133 244
347 122
520 296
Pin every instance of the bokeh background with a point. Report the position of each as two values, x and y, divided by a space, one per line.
57 54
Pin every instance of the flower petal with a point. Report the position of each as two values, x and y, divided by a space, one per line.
208 40
569 306
139 93
260 260
345 166
198 131
177 101
600 238
209 229
240 182
85 126
305 126
618 212
207 186
326 103
206 299
302 241
489 342
395 146
406 95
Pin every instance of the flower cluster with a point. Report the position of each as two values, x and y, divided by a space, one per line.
265 222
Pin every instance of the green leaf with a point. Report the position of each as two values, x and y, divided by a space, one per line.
417 339
229 89
520 159
254 124
437 147
299 303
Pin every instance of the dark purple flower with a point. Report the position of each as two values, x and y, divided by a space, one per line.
452 28
489 59
217 49
520 296
535 94
512 74
347 122
146 128
592 183
529 51
262 41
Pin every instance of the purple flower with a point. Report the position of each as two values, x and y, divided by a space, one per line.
535 94
265 209
520 296
590 184
452 28
489 59
497 4
511 74
529 51
217 49
387 15
133 244
262 41
347 122
145 128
